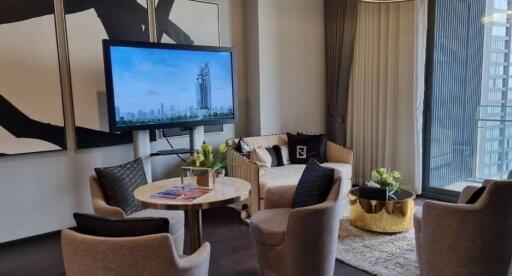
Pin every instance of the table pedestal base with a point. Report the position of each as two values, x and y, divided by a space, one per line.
195 229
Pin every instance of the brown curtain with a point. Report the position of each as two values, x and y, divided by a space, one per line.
340 32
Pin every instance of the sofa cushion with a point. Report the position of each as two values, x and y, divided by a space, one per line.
119 182
302 147
314 185
269 226
176 218
290 175
119 228
278 176
243 147
261 157
286 155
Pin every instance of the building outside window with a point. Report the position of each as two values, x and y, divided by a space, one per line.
468 134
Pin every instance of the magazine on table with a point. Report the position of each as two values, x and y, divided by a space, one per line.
188 192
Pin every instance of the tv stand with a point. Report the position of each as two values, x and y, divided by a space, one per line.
196 138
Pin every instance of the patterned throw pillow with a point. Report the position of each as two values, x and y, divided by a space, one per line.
118 228
119 182
302 147
243 147
314 185
276 155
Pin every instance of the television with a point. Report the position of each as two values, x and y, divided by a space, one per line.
157 86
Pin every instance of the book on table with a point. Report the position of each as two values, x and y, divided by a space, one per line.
182 193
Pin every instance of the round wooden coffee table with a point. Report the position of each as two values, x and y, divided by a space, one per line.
227 190
393 215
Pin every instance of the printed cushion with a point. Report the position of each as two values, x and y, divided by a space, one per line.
314 185
243 147
119 182
276 155
302 147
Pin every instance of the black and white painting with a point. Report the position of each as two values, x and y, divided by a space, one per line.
198 20
31 112
90 21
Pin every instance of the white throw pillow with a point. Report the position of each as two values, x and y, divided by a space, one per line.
261 157
285 154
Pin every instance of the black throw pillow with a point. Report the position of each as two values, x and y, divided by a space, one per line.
276 155
302 147
118 228
476 195
243 147
119 182
314 185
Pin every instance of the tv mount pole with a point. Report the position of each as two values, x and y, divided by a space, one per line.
141 140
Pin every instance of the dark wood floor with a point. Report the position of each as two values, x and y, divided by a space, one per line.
232 250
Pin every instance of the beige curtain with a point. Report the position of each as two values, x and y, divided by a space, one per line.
386 90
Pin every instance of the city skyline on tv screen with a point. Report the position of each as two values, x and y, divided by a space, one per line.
160 86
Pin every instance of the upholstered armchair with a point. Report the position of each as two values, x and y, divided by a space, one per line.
296 242
101 208
466 239
154 255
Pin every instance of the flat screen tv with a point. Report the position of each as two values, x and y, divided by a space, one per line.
156 85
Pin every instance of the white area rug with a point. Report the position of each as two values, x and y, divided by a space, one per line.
383 255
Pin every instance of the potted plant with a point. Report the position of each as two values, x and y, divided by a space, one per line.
206 164
386 179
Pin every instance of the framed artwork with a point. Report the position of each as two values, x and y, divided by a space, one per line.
31 110
187 22
88 22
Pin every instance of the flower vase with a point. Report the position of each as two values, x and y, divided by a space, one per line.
203 177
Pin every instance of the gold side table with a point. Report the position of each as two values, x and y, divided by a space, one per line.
394 215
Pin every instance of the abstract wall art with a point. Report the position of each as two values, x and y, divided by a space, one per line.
88 22
31 111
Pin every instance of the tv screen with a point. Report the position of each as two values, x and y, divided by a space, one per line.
154 85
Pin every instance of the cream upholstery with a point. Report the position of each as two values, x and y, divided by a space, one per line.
153 255
466 239
290 175
338 157
296 242
176 218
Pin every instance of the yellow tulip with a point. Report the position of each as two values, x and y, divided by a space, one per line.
223 148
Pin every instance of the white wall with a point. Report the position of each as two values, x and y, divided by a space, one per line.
40 192
290 65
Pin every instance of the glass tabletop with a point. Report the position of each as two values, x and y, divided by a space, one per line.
380 194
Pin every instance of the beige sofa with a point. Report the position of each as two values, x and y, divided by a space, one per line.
338 157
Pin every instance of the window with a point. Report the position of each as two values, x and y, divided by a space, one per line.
468 126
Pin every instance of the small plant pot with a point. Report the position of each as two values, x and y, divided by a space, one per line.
204 177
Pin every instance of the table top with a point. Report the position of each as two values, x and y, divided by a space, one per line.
227 190
400 195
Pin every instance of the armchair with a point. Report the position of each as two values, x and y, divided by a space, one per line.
466 239
145 255
101 208
296 242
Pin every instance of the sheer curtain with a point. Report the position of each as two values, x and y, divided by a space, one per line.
386 90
